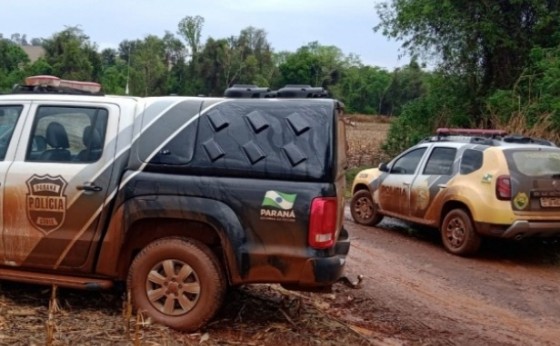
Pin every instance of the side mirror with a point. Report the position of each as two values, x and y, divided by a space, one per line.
383 167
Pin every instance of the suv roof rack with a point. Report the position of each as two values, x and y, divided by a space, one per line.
483 136
289 91
44 84
527 140
444 131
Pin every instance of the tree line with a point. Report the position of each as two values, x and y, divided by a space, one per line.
493 64
496 65
181 64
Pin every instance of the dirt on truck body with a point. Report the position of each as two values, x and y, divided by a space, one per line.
176 197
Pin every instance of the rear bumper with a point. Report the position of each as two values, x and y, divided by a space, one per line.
521 229
321 272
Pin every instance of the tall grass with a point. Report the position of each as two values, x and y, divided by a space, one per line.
542 127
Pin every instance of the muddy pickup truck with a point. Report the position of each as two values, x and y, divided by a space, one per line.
175 197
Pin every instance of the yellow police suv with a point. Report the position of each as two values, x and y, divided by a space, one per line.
468 183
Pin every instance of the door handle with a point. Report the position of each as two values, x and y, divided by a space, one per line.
89 187
442 186
406 184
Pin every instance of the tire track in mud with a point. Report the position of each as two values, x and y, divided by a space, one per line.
448 299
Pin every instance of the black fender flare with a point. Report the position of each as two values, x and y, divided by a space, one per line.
214 213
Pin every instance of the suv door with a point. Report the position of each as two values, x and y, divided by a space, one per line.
395 189
57 185
435 174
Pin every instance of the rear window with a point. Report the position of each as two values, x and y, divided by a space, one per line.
471 161
535 162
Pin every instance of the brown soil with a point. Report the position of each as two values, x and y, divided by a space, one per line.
413 293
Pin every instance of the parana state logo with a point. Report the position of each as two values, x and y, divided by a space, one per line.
278 206
46 202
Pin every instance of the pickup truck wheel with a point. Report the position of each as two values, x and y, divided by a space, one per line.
458 234
177 282
363 209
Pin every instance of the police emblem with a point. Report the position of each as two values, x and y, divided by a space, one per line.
521 200
46 202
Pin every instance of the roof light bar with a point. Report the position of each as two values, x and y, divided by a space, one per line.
55 82
43 81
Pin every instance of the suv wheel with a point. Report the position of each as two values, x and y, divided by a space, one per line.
363 209
177 282
458 234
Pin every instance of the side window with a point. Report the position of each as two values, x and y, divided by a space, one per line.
408 163
471 161
67 134
440 161
9 116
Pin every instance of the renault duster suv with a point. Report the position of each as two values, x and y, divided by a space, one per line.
469 184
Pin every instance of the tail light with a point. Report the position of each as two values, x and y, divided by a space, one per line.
503 188
322 223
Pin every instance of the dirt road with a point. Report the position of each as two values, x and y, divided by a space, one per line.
416 293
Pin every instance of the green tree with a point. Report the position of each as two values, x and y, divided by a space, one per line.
214 64
363 89
485 41
72 56
407 84
148 67
313 64
535 95
190 28
13 60
246 59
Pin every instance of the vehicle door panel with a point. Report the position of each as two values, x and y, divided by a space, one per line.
12 118
439 167
394 190
54 195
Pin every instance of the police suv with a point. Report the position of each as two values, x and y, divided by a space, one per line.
177 197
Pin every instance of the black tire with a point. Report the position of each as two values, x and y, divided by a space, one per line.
363 210
177 282
458 234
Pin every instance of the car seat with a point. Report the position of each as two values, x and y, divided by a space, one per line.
57 139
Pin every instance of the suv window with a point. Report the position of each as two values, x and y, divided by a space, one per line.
471 161
407 163
9 116
67 134
440 161
536 163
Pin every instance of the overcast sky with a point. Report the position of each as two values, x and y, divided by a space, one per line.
289 24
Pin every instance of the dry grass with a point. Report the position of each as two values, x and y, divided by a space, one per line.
257 315
365 140
518 124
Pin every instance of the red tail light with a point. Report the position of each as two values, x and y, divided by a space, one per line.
322 223
503 188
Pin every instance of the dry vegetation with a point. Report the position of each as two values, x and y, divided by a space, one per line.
365 136
257 315
518 124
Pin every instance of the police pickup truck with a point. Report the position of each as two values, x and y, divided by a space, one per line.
175 197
